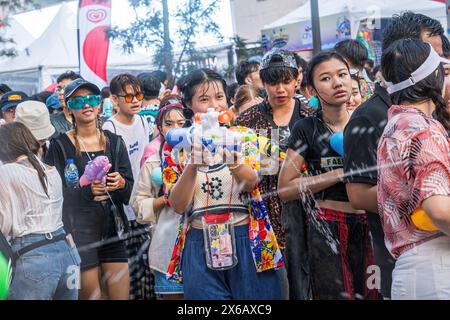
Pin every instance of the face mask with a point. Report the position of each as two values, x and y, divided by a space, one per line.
107 108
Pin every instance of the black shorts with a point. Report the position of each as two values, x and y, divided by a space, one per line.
95 237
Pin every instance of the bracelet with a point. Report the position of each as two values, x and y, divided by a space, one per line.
234 167
166 201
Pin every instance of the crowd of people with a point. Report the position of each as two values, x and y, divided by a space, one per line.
339 187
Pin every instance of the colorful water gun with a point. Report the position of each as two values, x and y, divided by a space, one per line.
96 169
422 221
207 129
5 277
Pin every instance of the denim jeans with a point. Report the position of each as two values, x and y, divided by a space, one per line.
423 272
50 272
164 286
242 282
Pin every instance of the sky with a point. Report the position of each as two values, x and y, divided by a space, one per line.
122 14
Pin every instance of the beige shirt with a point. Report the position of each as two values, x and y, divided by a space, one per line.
165 222
24 206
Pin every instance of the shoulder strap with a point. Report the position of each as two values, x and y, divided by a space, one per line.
114 126
116 155
142 121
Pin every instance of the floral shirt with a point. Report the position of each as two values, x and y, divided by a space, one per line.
413 165
265 249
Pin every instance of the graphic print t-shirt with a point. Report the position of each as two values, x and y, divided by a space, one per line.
310 138
136 137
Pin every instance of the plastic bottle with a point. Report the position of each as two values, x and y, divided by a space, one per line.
71 174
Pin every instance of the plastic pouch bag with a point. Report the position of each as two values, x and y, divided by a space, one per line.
220 242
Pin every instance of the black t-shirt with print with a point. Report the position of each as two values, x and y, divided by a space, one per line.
310 138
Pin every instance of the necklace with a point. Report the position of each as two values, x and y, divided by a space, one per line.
332 126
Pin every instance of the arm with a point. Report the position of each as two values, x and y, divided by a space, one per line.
183 192
438 209
55 158
245 176
363 196
144 198
431 166
291 185
360 164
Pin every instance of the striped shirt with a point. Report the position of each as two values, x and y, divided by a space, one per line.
24 206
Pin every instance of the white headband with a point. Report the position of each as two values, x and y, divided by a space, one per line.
427 68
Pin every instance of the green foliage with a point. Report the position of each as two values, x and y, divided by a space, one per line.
150 31
245 50
7 44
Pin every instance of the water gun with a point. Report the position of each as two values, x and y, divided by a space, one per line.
95 170
422 221
337 143
5 277
207 129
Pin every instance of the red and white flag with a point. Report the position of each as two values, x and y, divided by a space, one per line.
94 19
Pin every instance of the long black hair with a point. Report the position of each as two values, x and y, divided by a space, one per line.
399 61
19 141
197 77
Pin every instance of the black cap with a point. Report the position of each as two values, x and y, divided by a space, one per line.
12 99
278 58
76 84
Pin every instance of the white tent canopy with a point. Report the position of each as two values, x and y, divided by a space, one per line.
358 10
56 51
14 30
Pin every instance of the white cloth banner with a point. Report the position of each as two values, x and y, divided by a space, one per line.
94 19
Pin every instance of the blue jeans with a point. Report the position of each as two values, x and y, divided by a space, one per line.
239 283
164 286
50 272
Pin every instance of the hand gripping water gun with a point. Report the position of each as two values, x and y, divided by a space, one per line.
422 221
95 170
208 131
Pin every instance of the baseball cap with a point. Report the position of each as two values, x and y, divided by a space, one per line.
35 116
76 84
52 102
12 99
278 58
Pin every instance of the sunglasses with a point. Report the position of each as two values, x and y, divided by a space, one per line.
129 97
78 103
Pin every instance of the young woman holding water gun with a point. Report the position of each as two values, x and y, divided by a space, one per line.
94 212
222 208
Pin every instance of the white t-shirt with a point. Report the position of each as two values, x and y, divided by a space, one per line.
136 137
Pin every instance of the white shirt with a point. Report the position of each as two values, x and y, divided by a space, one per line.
136 137
24 206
